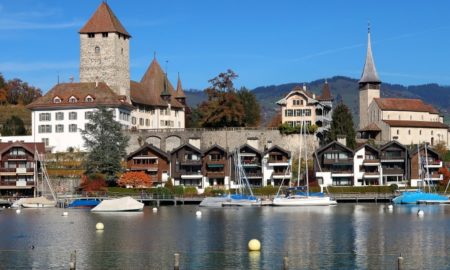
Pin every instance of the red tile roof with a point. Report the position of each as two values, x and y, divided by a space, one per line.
404 104
101 94
371 127
153 83
104 20
423 124
180 93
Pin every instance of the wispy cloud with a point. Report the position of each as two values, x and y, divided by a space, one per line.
6 24
37 66
325 52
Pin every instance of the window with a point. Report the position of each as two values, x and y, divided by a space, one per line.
72 99
91 35
296 102
398 132
89 99
147 122
431 132
45 141
307 112
105 34
56 100
288 112
141 121
59 116
72 116
59 128
133 120
88 115
45 117
72 128
97 49
420 132
44 129
409 132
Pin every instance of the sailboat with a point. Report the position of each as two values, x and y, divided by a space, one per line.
414 197
244 194
295 197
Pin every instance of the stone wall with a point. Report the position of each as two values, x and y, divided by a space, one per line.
230 138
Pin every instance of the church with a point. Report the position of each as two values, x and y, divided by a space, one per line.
408 121
151 103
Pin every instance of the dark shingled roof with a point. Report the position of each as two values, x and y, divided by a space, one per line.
104 20
404 104
419 124
326 93
371 127
30 147
152 85
180 93
369 74
101 94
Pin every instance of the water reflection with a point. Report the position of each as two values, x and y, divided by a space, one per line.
347 236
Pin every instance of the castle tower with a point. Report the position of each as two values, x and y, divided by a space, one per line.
369 85
104 51
180 95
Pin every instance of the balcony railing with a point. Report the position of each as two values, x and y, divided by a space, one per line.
18 157
393 171
371 161
348 161
190 162
389 157
14 183
215 174
277 160
14 170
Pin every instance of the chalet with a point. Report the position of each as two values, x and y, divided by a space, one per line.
333 164
394 163
186 163
367 166
251 160
425 165
216 167
276 163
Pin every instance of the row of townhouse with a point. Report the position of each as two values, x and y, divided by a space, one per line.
392 163
215 167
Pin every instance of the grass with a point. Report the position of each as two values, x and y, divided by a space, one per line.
6 111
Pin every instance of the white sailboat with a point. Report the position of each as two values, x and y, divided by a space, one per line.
295 197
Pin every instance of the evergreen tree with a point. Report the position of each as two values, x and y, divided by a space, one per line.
13 126
106 144
252 111
342 124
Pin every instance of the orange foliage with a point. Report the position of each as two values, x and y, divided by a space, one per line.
446 175
95 182
135 179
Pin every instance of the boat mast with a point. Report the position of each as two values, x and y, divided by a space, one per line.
427 175
306 159
299 156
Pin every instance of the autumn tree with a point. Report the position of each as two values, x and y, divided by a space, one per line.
106 144
342 124
19 92
252 110
93 182
2 90
441 149
135 179
223 107
13 126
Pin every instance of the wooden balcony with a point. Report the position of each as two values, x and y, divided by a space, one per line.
17 170
14 183
143 167
18 157
346 161
393 171
215 174
190 162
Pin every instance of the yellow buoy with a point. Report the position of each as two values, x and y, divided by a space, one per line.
254 245
99 226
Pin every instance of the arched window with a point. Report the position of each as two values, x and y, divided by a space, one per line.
57 100
97 49
89 99
72 99
431 132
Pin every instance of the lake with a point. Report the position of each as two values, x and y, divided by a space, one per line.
346 236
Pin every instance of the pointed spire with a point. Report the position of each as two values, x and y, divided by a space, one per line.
326 93
369 74
102 21
165 93
180 93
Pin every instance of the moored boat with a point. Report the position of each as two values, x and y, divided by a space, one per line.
38 202
124 204
84 203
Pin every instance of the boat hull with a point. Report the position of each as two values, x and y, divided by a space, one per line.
213 201
37 205
241 203
303 201
125 204
413 197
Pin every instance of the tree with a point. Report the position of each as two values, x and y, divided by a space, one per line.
135 179
19 92
441 149
106 144
342 124
252 111
13 126
94 182
223 107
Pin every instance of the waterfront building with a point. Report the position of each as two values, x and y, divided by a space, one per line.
276 164
409 121
394 163
19 167
333 164
151 160
367 166
186 166
425 167
300 105
216 167
250 160
62 112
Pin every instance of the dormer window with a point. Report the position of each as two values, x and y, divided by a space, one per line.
57 100
89 99
72 99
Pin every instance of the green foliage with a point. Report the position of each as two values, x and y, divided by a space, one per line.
342 124
106 144
365 189
287 129
213 192
194 118
14 126
265 191
252 111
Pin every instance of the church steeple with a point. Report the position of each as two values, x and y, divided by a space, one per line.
369 74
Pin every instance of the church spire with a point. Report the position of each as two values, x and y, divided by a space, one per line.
369 74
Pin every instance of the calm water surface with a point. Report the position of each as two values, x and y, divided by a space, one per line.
346 236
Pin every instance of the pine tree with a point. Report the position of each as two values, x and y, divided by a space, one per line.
342 124
106 144
252 111
14 126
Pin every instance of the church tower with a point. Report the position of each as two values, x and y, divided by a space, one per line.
369 85
104 51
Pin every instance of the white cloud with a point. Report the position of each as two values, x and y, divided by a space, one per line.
37 66
6 24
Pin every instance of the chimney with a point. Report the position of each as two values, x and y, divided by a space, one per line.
304 87
96 82
269 144
342 139
314 96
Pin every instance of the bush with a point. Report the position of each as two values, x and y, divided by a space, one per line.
365 189
214 192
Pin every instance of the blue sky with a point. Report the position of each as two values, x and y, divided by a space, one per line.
265 42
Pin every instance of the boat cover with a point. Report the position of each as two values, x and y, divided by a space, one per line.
118 205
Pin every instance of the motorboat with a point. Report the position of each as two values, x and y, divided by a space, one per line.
84 203
124 204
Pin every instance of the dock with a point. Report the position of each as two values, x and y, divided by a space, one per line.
433 202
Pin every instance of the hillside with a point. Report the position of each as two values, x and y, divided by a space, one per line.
6 111
345 89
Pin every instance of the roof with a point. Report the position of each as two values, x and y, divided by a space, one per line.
299 91
276 147
414 151
179 93
419 124
331 144
151 147
216 146
391 143
369 74
368 146
5 146
101 94
326 93
187 145
104 20
148 91
404 104
371 127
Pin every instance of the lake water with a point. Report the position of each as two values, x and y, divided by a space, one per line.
346 236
